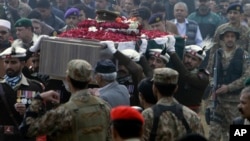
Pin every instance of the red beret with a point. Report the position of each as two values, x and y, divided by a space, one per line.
126 113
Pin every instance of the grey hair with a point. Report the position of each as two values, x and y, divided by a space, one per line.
109 77
181 4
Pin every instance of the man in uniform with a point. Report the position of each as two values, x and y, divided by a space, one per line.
83 117
16 93
168 120
192 81
234 13
157 22
71 19
232 68
24 32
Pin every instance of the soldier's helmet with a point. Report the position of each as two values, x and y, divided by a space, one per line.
229 29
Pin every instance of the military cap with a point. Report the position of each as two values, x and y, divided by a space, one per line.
13 52
105 66
165 76
229 29
155 18
159 53
236 7
106 15
195 51
23 22
126 113
5 23
71 12
132 54
79 70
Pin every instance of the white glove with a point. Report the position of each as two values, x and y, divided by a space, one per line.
161 40
143 46
110 45
36 46
170 45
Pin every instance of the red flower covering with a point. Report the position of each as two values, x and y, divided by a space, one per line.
102 33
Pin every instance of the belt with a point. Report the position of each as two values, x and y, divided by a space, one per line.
8 130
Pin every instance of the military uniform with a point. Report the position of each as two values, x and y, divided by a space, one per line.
232 70
191 84
243 40
21 90
170 126
83 117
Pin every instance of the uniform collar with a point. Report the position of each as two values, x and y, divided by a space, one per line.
167 101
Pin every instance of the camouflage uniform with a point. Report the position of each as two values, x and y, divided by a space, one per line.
242 42
83 118
169 127
227 110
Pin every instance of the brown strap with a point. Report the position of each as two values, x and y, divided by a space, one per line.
2 94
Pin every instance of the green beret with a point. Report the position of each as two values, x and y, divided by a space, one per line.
23 22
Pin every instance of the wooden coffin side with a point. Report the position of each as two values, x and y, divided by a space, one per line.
56 53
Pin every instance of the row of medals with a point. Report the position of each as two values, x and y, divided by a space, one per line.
24 96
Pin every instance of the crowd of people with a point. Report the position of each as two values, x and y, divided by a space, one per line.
154 93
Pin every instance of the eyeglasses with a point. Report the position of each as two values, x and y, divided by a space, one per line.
3 32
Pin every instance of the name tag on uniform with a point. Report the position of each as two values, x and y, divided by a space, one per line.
25 96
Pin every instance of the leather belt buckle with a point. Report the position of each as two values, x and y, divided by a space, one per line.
8 129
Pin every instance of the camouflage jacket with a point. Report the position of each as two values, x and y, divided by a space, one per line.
236 84
169 127
83 117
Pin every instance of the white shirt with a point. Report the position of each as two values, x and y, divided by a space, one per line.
182 29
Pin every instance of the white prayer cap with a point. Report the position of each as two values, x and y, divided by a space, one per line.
5 23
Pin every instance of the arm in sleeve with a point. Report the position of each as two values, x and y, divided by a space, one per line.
193 79
37 122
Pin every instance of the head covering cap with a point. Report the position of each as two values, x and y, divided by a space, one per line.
79 70
126 113
165 76
5 23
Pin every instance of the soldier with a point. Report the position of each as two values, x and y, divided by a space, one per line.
110 91
168 120
127 124
192 81
83 117
15 89
234 13
157 22
231 64
71 19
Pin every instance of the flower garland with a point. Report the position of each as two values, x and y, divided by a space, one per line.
120 30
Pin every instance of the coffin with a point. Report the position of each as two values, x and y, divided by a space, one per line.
56 53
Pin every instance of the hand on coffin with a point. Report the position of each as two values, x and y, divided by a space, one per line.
110 45
36 46
170 45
